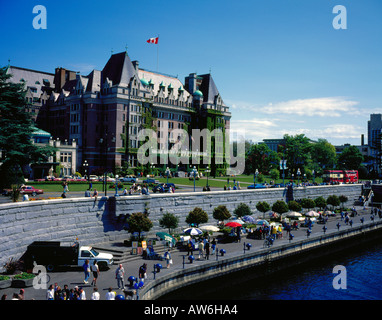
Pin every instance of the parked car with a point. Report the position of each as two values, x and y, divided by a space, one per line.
149 181
26 190
93 178
256 186
163 187
131 179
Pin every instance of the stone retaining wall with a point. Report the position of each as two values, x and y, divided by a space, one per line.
92 222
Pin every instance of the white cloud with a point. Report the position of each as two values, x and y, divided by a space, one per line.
323 107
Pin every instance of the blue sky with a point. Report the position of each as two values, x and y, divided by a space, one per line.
279 64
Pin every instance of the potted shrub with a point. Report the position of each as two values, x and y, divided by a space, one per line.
5 282
23 280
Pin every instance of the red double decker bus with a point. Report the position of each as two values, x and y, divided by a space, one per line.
343 176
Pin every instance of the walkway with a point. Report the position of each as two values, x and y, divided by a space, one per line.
74 277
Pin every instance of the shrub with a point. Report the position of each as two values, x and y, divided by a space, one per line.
333 200
197 216
320 202
307 203
24 275
294 206
169 221
242 210
221 213
280 207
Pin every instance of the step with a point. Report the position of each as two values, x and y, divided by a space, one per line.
123 254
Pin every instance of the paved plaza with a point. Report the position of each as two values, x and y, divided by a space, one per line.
75 276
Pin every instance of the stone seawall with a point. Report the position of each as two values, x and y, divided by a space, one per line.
92 222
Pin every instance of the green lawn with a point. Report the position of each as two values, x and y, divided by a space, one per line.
218 182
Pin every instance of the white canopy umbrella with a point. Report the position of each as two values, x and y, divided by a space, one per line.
293 214
209 228
312 214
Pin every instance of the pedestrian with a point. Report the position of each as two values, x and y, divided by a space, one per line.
190 248
142 271
110 295
21 295
4 297
86 268
201 249
207 248
50 293
238 231
95 194
213 245
90 186
119 274
167 256
95 269
82 294
95 294
67 291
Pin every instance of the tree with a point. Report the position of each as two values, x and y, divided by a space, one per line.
260 157
275 174
343 199
280 207
139 222
242 210
263 207
307 203
169 221
197 216
294 206
16 131
221 213
350 158
333 200
320 202
324 154
297 151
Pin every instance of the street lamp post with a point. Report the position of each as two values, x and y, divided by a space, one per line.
116 186
207 171
298 176
313 173
254 177
167 172
194 174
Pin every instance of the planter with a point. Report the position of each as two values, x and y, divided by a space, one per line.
23 280
5 283
22 283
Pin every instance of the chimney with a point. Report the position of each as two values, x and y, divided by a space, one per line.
362 139
135 64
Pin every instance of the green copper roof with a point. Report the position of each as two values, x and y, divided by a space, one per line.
198 93
145 82
40 132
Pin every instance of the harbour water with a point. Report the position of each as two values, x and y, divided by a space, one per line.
313 281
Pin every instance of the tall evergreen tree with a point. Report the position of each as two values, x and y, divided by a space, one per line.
16 129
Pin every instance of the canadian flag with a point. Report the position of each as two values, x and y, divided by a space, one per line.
153 40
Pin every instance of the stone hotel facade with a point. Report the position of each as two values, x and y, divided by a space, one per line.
104 111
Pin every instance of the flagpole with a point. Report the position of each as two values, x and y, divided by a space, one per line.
158 53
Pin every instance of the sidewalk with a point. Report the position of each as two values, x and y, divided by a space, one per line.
75 276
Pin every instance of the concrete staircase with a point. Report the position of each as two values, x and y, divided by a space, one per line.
123 253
